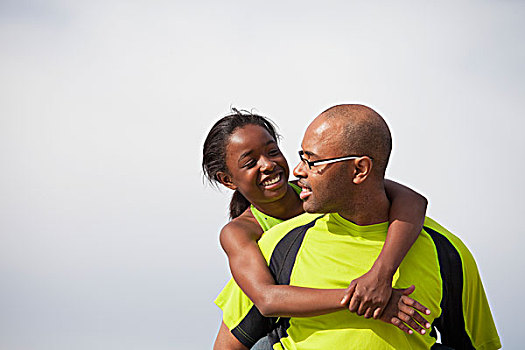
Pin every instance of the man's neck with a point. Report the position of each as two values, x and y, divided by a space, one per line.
368 208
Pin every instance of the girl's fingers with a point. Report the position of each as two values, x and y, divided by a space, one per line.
399 324
416 305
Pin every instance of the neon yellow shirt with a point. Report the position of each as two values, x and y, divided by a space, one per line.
328 252
266 221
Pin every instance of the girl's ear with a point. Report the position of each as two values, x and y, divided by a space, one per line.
226 180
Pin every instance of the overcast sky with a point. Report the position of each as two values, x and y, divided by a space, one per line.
108 234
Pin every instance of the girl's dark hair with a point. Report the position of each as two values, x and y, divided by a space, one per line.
214 150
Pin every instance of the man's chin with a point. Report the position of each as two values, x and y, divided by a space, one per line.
310 208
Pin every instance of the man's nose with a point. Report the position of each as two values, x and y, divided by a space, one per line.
299 170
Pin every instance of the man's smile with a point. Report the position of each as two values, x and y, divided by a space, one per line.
306 191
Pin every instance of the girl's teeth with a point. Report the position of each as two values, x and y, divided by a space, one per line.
271 182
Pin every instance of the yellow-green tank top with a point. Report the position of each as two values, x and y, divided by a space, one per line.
266 221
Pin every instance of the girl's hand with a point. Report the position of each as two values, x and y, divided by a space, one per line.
402 311
369 294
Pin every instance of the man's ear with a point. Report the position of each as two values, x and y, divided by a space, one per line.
226 180
363 168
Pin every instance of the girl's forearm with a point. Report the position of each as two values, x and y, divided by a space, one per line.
292 301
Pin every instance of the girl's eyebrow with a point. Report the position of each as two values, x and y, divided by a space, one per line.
247 153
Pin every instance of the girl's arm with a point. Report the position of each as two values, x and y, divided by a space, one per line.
251 272
226 340
368 294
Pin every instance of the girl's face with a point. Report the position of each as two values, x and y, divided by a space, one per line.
256 166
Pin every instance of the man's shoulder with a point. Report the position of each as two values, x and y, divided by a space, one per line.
290 224
271 237
455 245
431 225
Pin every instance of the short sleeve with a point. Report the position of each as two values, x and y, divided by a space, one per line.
241 316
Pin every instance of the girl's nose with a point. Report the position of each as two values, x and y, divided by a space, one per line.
267 164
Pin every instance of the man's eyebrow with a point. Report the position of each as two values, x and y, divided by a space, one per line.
309 154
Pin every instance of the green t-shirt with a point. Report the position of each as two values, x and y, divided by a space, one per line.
328 252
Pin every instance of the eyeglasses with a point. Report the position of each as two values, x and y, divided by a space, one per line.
324 161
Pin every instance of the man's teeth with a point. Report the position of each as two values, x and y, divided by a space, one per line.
272 181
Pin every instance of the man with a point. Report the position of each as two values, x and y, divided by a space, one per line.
344 156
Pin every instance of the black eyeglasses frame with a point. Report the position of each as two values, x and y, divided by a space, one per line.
325 161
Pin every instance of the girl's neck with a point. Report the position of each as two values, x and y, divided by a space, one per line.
287 207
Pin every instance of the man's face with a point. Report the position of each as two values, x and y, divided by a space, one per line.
325 188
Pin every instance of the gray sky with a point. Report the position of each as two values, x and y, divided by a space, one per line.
108 234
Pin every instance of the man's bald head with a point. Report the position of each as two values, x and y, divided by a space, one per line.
362 132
